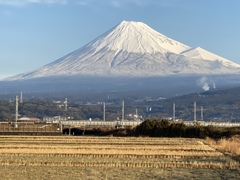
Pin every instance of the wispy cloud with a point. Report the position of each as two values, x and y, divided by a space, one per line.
113 3
117 3
20 3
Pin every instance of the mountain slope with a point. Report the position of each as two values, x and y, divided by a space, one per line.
136 37
199 53
134 49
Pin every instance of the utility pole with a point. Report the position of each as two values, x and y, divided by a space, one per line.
21 97
66 104
16 116
174 112
136 114
195 111
201 113
104 111
123 110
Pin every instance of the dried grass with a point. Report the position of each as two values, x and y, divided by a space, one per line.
111 152
231 145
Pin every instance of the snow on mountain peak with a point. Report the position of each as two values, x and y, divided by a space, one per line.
200 53
136 37
134 49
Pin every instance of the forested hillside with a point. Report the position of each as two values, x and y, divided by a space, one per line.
217 105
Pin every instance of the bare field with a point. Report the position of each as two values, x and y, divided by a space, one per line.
71 157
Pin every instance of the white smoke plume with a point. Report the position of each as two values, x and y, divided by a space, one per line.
205 87
214 85
204 83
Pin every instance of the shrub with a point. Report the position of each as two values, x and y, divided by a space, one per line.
165 128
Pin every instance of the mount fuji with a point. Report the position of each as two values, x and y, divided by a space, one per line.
130 59
133 49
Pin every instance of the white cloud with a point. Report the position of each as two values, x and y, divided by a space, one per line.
114 3
20 3
141 2
120 3
85 2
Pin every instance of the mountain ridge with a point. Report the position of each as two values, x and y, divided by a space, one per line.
134 49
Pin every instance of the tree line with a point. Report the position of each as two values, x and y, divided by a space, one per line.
165 128
43 108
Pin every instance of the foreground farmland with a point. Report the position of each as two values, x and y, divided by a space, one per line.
65 157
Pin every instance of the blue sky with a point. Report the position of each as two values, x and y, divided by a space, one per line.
34 33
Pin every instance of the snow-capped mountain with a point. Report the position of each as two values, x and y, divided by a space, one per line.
134 49
199 53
